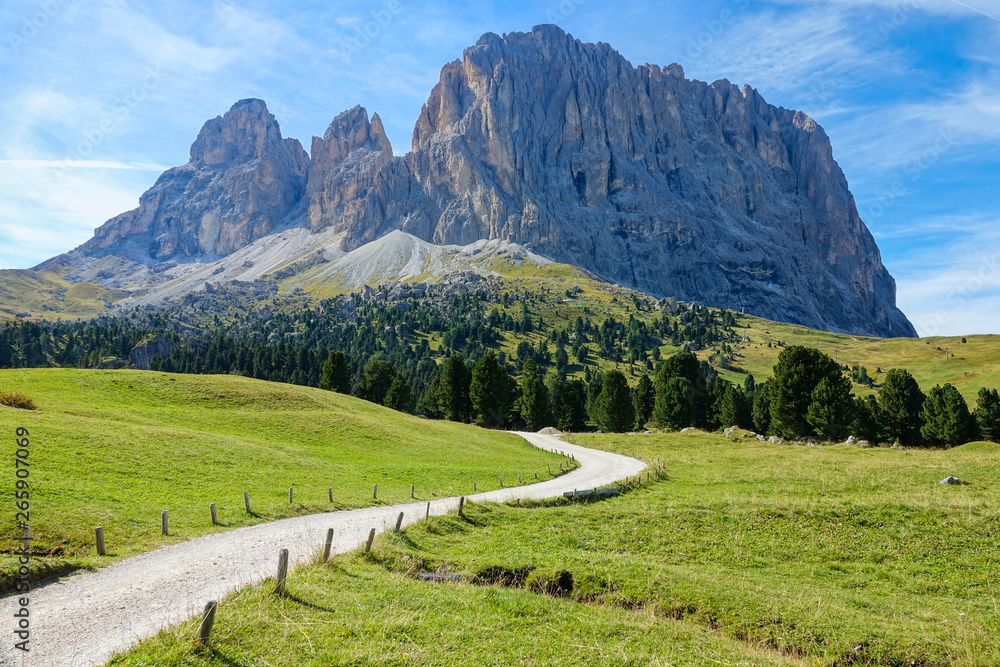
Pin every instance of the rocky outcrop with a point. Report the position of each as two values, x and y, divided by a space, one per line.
242 180
704 192
345 163
676 187
142 354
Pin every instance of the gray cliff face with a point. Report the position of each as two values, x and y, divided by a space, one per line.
675 187
345 164
242 180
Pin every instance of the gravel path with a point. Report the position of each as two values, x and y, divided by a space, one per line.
86 618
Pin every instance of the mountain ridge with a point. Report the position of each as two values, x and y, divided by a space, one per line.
676 187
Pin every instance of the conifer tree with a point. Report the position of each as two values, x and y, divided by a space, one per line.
644 399
336 374
399 396
760 414
674 408
492 392
900 404
614 412
796 375
536 408
946 417
831 410
988 414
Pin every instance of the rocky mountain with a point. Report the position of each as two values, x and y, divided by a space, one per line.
676 187
242 180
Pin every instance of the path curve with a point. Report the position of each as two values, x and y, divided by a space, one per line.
86 618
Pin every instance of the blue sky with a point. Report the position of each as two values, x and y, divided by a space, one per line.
98 97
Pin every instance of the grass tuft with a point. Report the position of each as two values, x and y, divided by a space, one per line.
15 399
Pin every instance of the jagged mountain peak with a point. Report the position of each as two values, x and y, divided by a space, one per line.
344 164
247 131
242 180
673 186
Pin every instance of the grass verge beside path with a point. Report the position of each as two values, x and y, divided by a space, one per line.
748 553
116 448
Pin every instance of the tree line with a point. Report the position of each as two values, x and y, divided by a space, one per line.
809 395
381 352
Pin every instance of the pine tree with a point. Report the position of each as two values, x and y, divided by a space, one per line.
376 380
336 374
644 400
399 397
614 412
685 365
900 404
831 410
760 413
988 414
674 407
713 404
734 409
570 399
452 396
866 415
946 417
536 408
796 376
593 391
492 392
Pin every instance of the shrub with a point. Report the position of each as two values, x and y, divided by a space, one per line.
15 399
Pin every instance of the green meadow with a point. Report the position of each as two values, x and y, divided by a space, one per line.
743 553
116 448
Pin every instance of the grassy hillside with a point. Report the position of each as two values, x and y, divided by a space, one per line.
969 365
115 448
745 554
45 294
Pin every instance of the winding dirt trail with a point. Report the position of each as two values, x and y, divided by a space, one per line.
85 619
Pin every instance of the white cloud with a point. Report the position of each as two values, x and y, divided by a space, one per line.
788 52
155 45
917 135
948 283
905 8
46 211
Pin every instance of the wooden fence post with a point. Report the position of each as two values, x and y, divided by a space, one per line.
282 571
474 488
375 493
519 480
413 488
99 534
215 516
501 481
427 515
461 504
328 544
163 522
207 621
371 538
289 494
329 493
399 521
549 468
246 501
